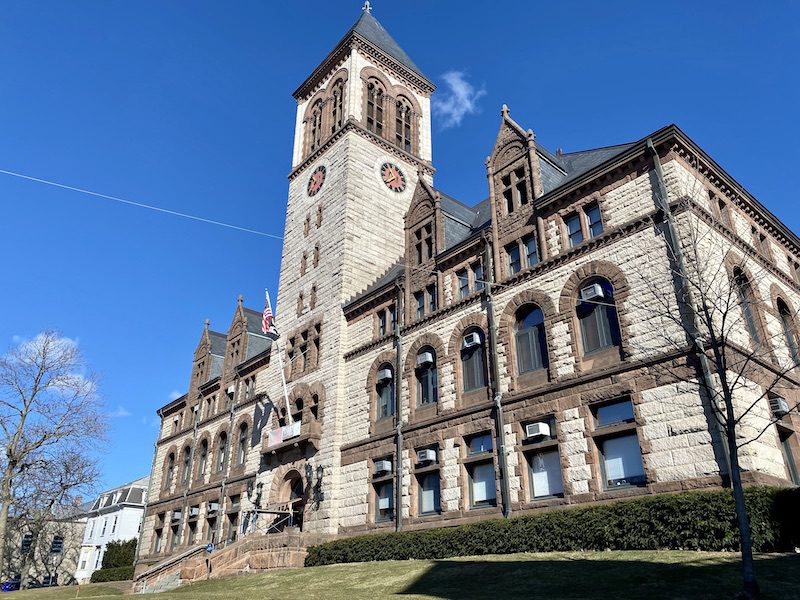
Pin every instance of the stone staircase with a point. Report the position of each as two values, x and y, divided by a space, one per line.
256 552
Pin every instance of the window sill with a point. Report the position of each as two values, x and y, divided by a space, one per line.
479 457
597 359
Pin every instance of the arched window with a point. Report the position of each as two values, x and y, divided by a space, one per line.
788 331
597 315
187 464
403 125
201 469
242 449
375 108
425 371
222 453
384 391
315 256
473 361
745 295
337 110
530 339
315 127
170 471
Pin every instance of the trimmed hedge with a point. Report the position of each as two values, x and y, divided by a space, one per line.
119 554
690 520
115 574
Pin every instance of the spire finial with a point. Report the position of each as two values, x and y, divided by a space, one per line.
367 7
241 299
207 324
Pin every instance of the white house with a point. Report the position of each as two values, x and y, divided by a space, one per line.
116 515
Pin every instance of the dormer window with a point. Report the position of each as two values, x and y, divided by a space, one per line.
423 242
515 190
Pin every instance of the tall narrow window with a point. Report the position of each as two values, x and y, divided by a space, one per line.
594 223
337 110
316 126
482 485
403 125
745 296
429 502
201 469
574 231
242 449
529 335
384 390
620 453
432 303
473 363
531 250
788 332
597 315
222 453
170 471
514 261
419 301
463 283
375 108
384 501
427 390
187 464
477 276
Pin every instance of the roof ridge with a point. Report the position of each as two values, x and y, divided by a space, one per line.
594 149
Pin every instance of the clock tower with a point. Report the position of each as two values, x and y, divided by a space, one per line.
362 141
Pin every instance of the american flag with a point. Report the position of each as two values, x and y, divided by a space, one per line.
267 320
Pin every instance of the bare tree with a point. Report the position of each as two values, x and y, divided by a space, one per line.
739 358
50 422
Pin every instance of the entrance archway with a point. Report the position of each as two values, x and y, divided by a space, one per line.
293 494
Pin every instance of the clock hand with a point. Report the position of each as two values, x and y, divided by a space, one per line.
390 180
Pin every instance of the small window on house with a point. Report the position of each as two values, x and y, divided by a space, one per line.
423 242
478 444
473 362
531 250
508 193
57 546
530 339
419 301
384 391
27 541
594 222
574 231
432 304
384 501
514 261
597 315
545 473
477 276
381 323
426 376
114 525
463 283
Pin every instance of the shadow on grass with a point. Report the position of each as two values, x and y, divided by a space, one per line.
582 579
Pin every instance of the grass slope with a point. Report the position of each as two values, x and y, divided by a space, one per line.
565 575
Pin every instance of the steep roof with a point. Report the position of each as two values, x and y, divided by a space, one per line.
371 30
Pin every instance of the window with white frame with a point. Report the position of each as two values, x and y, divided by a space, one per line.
479 465
544 461
618 444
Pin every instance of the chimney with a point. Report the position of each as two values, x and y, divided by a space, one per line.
559 152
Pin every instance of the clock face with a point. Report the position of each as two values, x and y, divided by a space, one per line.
316 180
393 177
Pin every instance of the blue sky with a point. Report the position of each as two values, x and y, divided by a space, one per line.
187 105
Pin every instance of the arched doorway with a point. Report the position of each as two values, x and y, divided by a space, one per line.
293 493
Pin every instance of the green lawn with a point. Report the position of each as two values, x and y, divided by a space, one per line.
563 576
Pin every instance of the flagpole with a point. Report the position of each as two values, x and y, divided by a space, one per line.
280 363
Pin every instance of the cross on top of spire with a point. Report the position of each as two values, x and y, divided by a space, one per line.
367 7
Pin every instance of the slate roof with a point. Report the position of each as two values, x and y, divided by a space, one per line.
462 221
371 30
131 493
218 342
257 342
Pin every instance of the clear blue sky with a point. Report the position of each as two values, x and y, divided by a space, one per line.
187 105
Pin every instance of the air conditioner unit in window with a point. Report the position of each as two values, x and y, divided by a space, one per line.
779 406
471 340
426 358
591 292
537 429
213 507
231 390
384 503
382 466
427 455
194 511
176 516
384 375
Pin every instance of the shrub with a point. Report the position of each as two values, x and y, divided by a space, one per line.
702 520
113 574
119 554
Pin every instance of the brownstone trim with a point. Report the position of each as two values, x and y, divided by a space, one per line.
387 357
426 339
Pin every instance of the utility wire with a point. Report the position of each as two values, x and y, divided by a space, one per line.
141 205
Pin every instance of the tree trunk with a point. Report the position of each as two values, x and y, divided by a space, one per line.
745 542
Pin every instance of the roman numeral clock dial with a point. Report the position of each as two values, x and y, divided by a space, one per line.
393 178
316 180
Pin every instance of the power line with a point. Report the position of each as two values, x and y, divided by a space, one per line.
141 205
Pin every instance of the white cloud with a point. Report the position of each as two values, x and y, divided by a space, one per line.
120 411
460 98
174 395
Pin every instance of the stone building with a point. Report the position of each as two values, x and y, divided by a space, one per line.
446 363
115 515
